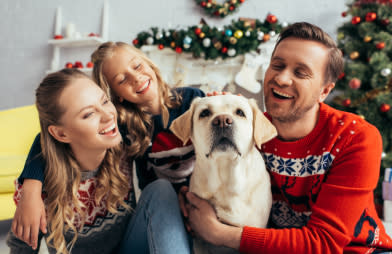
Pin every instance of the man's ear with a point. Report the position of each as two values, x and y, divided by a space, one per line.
326 90
58 133
182 125
263 129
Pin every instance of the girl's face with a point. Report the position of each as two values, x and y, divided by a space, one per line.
131 78
90 119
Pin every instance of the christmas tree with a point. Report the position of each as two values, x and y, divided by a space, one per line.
365 85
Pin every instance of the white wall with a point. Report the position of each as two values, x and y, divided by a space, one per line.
26 26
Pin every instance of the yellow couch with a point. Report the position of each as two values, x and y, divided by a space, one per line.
18 128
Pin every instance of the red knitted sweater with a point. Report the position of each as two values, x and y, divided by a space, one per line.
323 190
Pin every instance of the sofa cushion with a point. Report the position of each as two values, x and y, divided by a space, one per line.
18 130
7 206
10 169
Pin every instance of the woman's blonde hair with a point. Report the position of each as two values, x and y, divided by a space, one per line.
137 121
63 173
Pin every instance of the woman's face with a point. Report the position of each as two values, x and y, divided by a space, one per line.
131 78
89 120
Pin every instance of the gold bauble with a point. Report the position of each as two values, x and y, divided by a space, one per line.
367 38
233 1
340 36
172 44
218 45
202 35
238 34
208 5
232 40
354 55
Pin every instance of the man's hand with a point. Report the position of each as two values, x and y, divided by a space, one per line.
183 203
205 224
30 213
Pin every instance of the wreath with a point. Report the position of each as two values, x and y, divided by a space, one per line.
219 10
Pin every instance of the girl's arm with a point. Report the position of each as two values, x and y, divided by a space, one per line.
30 213
35 164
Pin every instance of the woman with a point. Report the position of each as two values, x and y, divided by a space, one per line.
89 195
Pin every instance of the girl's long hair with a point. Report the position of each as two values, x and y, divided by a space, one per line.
63 173
137 121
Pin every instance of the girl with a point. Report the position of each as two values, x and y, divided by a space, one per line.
89 196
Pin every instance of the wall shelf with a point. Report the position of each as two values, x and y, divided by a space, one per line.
79 42
87 41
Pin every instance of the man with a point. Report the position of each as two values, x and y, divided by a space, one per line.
324 164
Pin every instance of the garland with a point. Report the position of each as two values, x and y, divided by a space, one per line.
240 37
219 10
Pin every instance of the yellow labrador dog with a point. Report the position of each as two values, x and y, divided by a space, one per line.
229 170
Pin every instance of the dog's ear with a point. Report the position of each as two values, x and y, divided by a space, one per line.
263 129
182 125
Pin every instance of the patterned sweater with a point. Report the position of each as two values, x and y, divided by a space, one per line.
165 158
322 189
101 231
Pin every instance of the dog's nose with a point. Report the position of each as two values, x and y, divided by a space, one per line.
222 121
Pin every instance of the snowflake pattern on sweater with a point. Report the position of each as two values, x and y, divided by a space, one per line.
97 215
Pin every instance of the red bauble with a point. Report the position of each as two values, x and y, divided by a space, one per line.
58 37
78 64
179 50
197 30
135 42
232 7
203 4
160 46
385 22
356 20
355 83
380 45
371 16
224 50
385 107
216 13
344 14
89 65
69 65
342 75
241 1
272 19
346 102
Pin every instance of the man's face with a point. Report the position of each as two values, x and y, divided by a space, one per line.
294 81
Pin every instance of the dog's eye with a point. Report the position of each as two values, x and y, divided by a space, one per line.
205 113
240 112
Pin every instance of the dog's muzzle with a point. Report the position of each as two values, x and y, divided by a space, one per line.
222 134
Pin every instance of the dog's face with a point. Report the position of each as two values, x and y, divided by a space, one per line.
224 123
